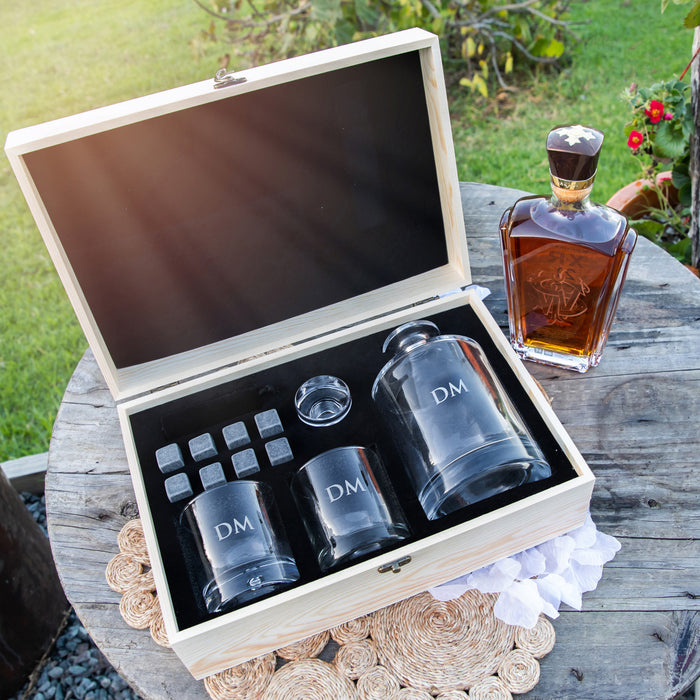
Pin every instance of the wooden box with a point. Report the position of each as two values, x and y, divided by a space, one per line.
221 243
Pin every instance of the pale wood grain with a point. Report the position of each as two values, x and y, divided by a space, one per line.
27 473
634 418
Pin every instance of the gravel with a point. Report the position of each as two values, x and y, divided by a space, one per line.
74 667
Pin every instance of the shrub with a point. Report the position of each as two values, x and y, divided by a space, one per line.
482 40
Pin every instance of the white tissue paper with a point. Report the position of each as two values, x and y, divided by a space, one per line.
541 578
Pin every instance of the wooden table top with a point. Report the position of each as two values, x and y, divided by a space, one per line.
634 418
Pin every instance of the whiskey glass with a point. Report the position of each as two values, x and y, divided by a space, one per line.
243 551
457 432
347 504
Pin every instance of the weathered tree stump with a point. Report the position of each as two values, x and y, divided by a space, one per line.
32 603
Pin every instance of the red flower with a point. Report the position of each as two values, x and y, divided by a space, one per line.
635 140
655 111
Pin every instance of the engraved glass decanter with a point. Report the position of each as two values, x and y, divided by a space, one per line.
565 259
459 436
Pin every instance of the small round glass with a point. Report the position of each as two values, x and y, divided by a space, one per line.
322 400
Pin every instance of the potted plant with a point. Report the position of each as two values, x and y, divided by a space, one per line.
658 135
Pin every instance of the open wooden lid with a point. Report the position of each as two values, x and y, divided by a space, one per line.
199 226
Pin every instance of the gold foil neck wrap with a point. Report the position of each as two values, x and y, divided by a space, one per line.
574 185
571 190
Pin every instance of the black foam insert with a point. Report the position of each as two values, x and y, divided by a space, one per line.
199 225
357 362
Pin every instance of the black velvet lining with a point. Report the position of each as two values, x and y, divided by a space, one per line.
200 225
357 362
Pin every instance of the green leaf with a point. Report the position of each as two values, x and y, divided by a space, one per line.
522 31
509 63
479 84
680 179
366 13
681 171
344 32
670 142
538 47
685 194
555 49
470 47
311 32
692 19
681 250
326 10
649 229
438 25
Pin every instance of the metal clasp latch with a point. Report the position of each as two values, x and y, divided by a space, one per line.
394 566
224 78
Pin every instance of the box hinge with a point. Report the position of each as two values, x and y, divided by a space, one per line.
224 78
394 566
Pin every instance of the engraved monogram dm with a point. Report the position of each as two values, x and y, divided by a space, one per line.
441 393
337 491
224 530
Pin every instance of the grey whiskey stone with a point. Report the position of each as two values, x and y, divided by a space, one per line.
279 451
177 487
269 423
245 463
212 476
202 447
236 435
169 458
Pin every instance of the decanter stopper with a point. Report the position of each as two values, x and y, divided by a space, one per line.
409 334
573 153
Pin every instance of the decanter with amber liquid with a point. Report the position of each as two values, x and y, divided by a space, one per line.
565 259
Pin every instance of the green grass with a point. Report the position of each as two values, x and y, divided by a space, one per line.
58 57
621 41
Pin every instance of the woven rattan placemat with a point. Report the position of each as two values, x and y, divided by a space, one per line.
418 649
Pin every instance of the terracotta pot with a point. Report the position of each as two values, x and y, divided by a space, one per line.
634 198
